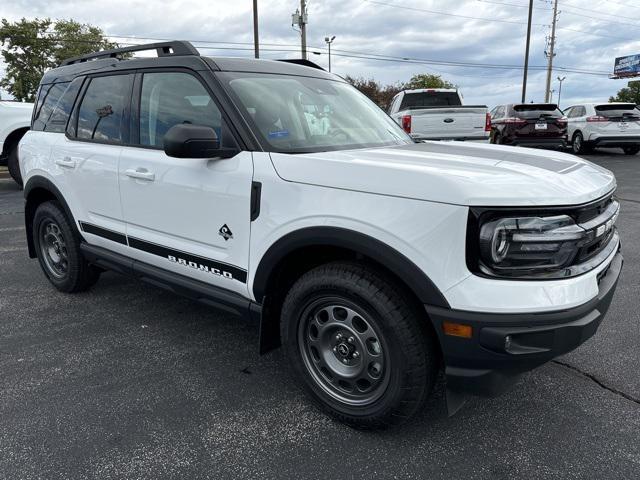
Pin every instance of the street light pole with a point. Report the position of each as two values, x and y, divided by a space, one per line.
329 41
526 54
560 79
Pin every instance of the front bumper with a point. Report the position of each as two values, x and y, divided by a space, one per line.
488 363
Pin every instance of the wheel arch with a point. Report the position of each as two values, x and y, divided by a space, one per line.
301 250
37 191
12 139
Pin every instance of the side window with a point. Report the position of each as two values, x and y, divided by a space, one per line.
47 101
499 112
568 112
102 111
171 98
60 115
581 112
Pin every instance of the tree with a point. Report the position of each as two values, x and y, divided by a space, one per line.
382 94
31 47
428 80
629 94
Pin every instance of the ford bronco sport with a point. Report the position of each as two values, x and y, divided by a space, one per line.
276 191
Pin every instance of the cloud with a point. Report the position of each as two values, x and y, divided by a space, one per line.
367 27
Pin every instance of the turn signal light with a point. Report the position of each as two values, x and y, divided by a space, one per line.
457 330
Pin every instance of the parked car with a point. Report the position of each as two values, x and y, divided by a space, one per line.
438 114
529 125
15 119
374 260
593 125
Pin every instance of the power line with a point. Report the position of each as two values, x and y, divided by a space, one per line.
485 19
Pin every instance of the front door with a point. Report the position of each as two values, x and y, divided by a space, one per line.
189 216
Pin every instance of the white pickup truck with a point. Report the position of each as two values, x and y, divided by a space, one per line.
438 114
15 120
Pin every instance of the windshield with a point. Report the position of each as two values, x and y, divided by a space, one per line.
536 110
293 114
616 110
430 99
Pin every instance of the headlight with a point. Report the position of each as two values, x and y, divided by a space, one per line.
540 246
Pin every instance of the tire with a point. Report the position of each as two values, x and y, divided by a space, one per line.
495 138
579 146
58 250
369 336
631 150
13 165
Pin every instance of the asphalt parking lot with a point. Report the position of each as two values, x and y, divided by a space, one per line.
127 381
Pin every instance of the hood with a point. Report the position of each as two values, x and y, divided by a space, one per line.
472 174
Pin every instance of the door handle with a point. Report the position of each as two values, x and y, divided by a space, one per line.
67 162
140 174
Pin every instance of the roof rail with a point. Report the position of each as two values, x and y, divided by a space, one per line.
302 61
164 49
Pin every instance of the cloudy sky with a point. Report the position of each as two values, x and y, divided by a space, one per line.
391 40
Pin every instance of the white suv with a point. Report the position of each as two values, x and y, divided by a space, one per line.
592 125
375 261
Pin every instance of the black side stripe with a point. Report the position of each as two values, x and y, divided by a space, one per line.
189 260
104 233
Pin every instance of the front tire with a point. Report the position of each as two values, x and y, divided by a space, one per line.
359 345
631 150
58 250
13 165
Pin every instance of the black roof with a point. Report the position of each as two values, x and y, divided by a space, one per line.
176 54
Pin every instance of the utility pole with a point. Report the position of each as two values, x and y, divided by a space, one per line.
256 44
526 54
551 52
299 19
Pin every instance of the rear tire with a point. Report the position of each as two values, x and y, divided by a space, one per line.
58 250
631 150
495 138
359 345
579 146
13 165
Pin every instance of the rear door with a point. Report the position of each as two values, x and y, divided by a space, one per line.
189 216
541 120
87 158
618 119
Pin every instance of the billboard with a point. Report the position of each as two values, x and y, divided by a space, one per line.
628 66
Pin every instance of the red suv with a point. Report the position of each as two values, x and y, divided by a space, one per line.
529 125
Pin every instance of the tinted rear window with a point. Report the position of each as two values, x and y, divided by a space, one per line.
537 110
430 99
628 110
102 111
47 101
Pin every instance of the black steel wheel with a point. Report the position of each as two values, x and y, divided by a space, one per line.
343 351
359 344
53 249
57 246
631 150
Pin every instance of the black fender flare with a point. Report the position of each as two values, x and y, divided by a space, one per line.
36 184
418 281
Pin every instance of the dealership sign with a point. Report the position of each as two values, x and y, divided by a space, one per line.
628 66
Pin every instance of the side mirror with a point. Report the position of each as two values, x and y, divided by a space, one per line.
186 140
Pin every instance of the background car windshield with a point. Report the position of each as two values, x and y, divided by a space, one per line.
294 114
430 99
533 110
628 110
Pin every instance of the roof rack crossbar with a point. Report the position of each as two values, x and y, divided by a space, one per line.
164 49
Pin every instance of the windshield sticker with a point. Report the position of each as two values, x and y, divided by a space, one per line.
279 134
